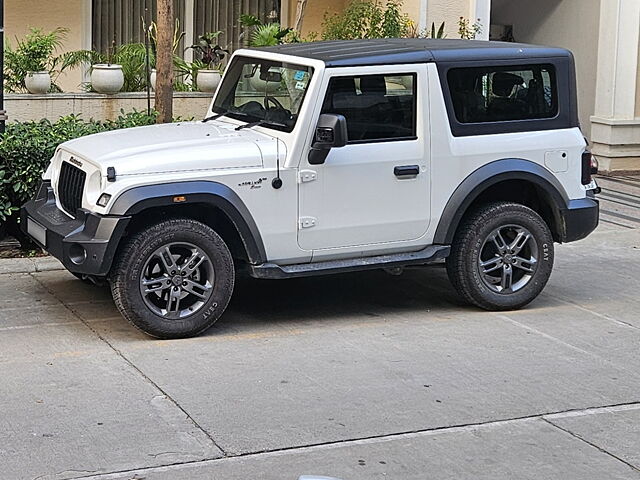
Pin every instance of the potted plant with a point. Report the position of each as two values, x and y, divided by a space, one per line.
209 74
107 77
31 65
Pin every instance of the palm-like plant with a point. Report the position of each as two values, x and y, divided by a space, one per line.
35 53
266 34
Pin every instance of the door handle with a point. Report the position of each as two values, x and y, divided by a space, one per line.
406 171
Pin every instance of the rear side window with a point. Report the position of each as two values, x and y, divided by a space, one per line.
377 107
501 94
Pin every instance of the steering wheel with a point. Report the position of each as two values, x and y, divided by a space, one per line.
273 100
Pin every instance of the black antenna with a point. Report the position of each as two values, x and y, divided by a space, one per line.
277 182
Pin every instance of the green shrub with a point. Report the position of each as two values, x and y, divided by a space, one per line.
27 147
367 19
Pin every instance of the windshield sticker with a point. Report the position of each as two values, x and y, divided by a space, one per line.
300 85
299 75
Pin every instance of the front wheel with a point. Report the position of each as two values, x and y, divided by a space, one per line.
173 279
501 257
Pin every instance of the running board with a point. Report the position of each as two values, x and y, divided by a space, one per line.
428 255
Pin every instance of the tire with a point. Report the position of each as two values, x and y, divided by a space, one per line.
501 257
187 272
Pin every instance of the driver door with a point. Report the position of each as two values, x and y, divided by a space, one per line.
374 191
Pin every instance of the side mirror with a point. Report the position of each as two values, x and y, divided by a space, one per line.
331 132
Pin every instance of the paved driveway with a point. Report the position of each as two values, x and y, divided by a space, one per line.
361 376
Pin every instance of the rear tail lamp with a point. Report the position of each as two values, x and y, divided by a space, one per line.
589 167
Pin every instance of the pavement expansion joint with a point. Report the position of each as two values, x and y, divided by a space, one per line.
390 437
132 365
597 447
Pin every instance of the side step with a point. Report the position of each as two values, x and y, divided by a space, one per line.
430 254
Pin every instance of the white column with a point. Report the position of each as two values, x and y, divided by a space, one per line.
618 59
422 18
615 127
480 10
189 37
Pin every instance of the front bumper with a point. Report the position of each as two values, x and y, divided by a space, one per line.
85 244
579 219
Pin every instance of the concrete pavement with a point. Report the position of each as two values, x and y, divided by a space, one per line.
360 376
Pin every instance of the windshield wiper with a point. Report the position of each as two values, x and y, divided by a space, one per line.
260 122
214 117
226 112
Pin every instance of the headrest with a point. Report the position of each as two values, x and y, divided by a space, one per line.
503 83
343 85
373 84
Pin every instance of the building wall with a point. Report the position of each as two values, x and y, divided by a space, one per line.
20 15
572 24
422 12
448 11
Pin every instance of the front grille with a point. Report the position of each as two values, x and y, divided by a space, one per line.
70 187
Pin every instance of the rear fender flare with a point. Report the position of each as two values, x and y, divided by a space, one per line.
490 174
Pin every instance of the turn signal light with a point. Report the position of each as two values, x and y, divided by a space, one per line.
104 199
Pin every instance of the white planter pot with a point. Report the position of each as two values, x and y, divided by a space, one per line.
152 79
38 82
208 80
107 78
262 85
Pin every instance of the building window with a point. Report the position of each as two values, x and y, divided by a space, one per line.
377 107
121 21
498 94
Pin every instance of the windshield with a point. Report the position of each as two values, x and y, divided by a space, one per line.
264 91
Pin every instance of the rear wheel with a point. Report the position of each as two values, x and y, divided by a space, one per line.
173 279
501 257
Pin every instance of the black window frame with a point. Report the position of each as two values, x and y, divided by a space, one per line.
565 95
414 109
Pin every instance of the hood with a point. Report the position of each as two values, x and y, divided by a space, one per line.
171 147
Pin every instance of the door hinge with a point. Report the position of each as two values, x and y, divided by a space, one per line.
307 222
307 176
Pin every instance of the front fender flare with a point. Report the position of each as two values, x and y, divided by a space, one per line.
490 174
137 199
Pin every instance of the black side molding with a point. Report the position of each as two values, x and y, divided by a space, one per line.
428 255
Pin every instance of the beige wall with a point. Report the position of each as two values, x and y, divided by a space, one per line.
438 11
572 24
24 108
20 15
448 11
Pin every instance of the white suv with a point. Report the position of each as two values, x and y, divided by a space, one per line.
328 157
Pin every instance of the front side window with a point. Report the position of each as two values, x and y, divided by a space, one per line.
376 107
264 91
498 94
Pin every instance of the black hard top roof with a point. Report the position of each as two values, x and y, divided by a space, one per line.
388 51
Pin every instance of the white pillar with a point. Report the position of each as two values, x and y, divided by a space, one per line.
422 18
190 37
480 11
615 126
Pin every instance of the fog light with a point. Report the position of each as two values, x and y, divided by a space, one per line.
104 199
77 253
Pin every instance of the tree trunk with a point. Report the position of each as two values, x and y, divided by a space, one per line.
299 15
164 62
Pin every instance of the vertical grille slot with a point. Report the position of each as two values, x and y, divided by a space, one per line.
70 187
